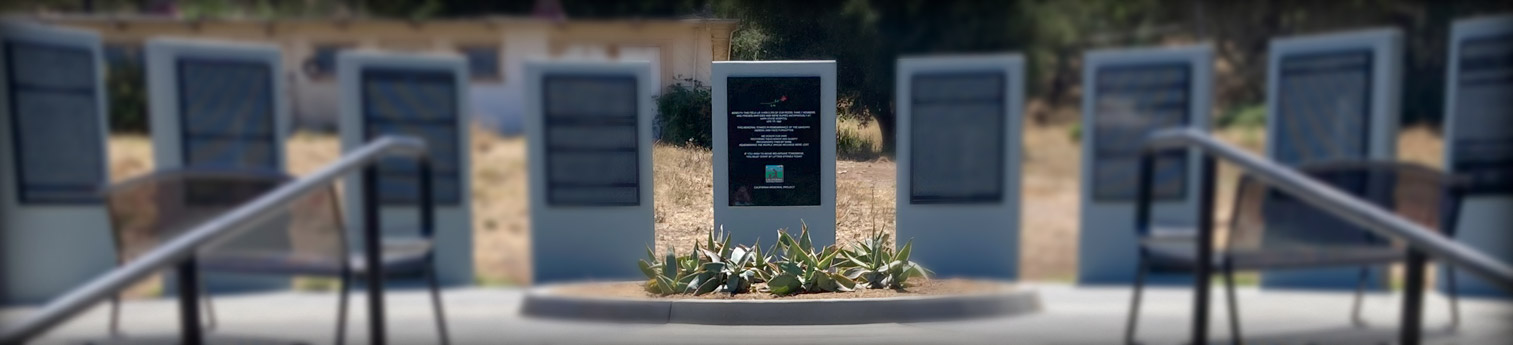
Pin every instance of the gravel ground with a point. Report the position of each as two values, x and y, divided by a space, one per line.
684 213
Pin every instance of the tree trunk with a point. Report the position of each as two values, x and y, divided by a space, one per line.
887 122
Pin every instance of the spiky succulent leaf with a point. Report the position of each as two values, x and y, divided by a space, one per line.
852 273
725 246
806 258
786 243
783 284
790 268
804 242
707 282
709 255
903 253
824 262
667 286
824 282
738 256
670 265
739 283
648 269
845 283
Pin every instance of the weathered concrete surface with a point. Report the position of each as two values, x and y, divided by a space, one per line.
1071 315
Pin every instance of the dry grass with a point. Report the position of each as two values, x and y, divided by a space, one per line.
684 193
501 217
1049 197
858 141
684 197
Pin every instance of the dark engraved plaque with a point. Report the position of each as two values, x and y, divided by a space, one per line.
773 128
1133 101
55 123
592 150
957 137
226 114
1483 141
1323 107
421 103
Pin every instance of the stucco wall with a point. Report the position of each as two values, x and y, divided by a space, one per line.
685 49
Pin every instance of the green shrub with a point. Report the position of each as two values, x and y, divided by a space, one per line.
1074 131
127 90
683 112
850 143
1245 116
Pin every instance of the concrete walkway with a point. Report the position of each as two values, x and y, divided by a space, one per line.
1072 315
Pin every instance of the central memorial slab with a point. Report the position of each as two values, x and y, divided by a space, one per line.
774 148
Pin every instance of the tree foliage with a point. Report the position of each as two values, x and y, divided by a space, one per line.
865 37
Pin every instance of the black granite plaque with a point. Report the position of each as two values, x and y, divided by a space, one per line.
957 137
1483 142
1132 101
773 128
226 115
420 103
1323 107
592 140
55 124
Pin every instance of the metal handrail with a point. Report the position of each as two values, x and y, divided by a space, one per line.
1353 209
1420 240
182 247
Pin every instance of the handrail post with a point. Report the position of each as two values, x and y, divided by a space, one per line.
1205 243
188 275
373 255
427 200
1143 192
1410 331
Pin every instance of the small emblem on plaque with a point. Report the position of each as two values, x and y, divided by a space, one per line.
774 174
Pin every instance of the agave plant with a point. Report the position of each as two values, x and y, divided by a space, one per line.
670 275
736 267
716 266
875 263
804 269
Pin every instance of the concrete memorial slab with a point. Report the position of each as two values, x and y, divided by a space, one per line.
1128 95
774 149
220 106
1479 138
424 96
958 162
53 224
1331 97
590 144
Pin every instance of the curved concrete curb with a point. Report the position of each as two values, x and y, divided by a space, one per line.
1011 300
